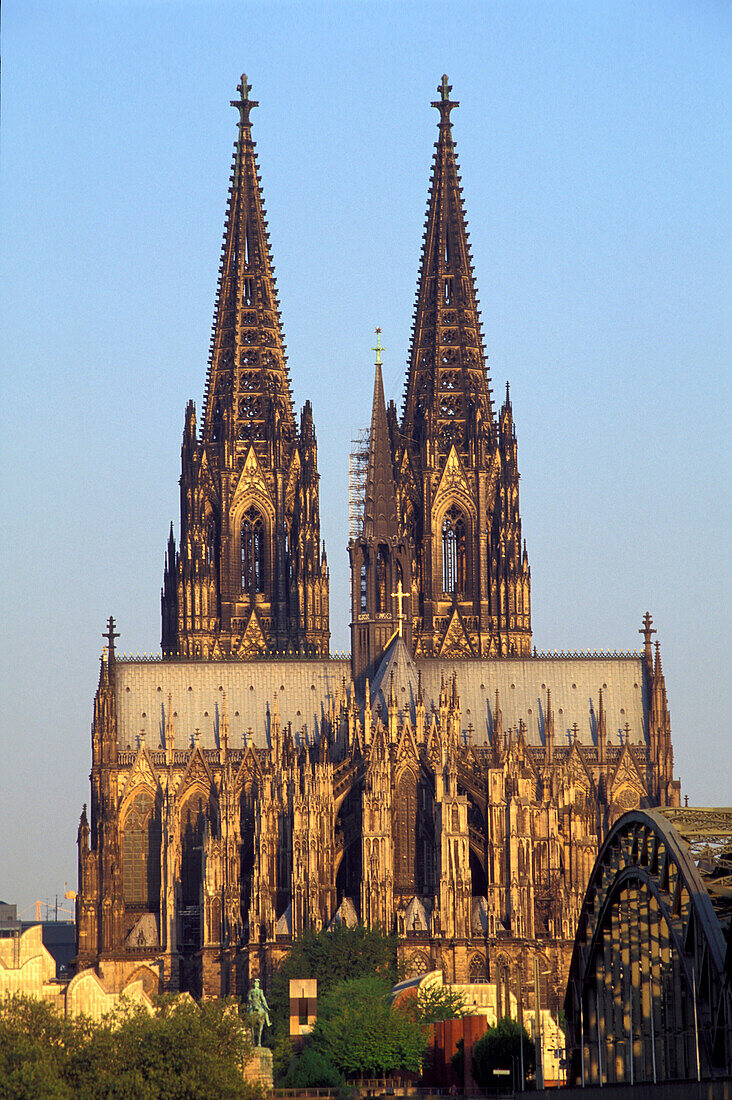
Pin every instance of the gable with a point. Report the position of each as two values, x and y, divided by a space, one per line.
456 642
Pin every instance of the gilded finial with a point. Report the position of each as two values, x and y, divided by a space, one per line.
378 349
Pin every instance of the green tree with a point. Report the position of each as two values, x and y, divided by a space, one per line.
360 1032
343 954
34 1042
436 1002
311 1070
183 1050
500 1048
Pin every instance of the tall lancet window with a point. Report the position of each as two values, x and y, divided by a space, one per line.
211 541
141 853
454 563
381 577
252 552
364 606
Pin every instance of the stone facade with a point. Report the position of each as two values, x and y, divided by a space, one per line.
448 782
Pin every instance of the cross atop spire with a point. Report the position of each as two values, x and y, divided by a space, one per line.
380 509
110 635
248 387
447 384
244 104
378 349
444 104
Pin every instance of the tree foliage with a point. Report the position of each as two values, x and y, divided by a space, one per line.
332 957
311 1070
183 1050
360 1032
498 1049
436 1002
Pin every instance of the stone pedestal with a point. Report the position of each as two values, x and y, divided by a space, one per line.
259 1068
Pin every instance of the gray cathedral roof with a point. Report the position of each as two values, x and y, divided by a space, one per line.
304 690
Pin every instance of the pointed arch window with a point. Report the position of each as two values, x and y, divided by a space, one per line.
252 552
406 849
141 853
211 541
381 580
454 552
363 594
193 827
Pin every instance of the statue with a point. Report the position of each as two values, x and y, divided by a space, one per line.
259 1010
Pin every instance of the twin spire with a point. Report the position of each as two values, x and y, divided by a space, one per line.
248 386
447 385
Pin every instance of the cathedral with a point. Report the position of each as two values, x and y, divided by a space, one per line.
448 782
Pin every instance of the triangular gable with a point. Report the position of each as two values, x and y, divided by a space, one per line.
434 747
407 747
253 641
142 774
407 476
292 483
206 481
627 773
492 485
249 769
453 483
577 767
197 772
252 482
456 642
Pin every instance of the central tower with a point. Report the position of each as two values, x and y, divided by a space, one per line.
249 577
456 470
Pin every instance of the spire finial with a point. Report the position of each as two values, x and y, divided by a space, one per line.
110 636
378 349
444 104
244 104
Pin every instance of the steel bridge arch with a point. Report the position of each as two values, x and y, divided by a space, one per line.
649 971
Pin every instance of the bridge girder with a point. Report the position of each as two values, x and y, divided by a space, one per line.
648 996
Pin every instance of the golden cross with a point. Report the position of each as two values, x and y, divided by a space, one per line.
400 596
378 349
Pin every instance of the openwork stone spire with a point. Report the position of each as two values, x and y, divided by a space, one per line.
456 468
448 385
249 576
248 383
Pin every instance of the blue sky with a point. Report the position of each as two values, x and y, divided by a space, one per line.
593 141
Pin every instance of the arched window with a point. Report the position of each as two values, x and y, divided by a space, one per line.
211 541
454 563
477 968
193 822
363 590
141 853
252 552
382 604
408 853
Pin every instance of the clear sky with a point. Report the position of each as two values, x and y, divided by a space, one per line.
593 140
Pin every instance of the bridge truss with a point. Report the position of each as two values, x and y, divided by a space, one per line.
649 996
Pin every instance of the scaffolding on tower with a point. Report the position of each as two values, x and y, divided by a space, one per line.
358 465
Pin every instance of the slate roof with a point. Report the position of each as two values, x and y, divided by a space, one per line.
522 683
304 688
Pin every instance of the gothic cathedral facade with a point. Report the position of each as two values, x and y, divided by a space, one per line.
447 782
